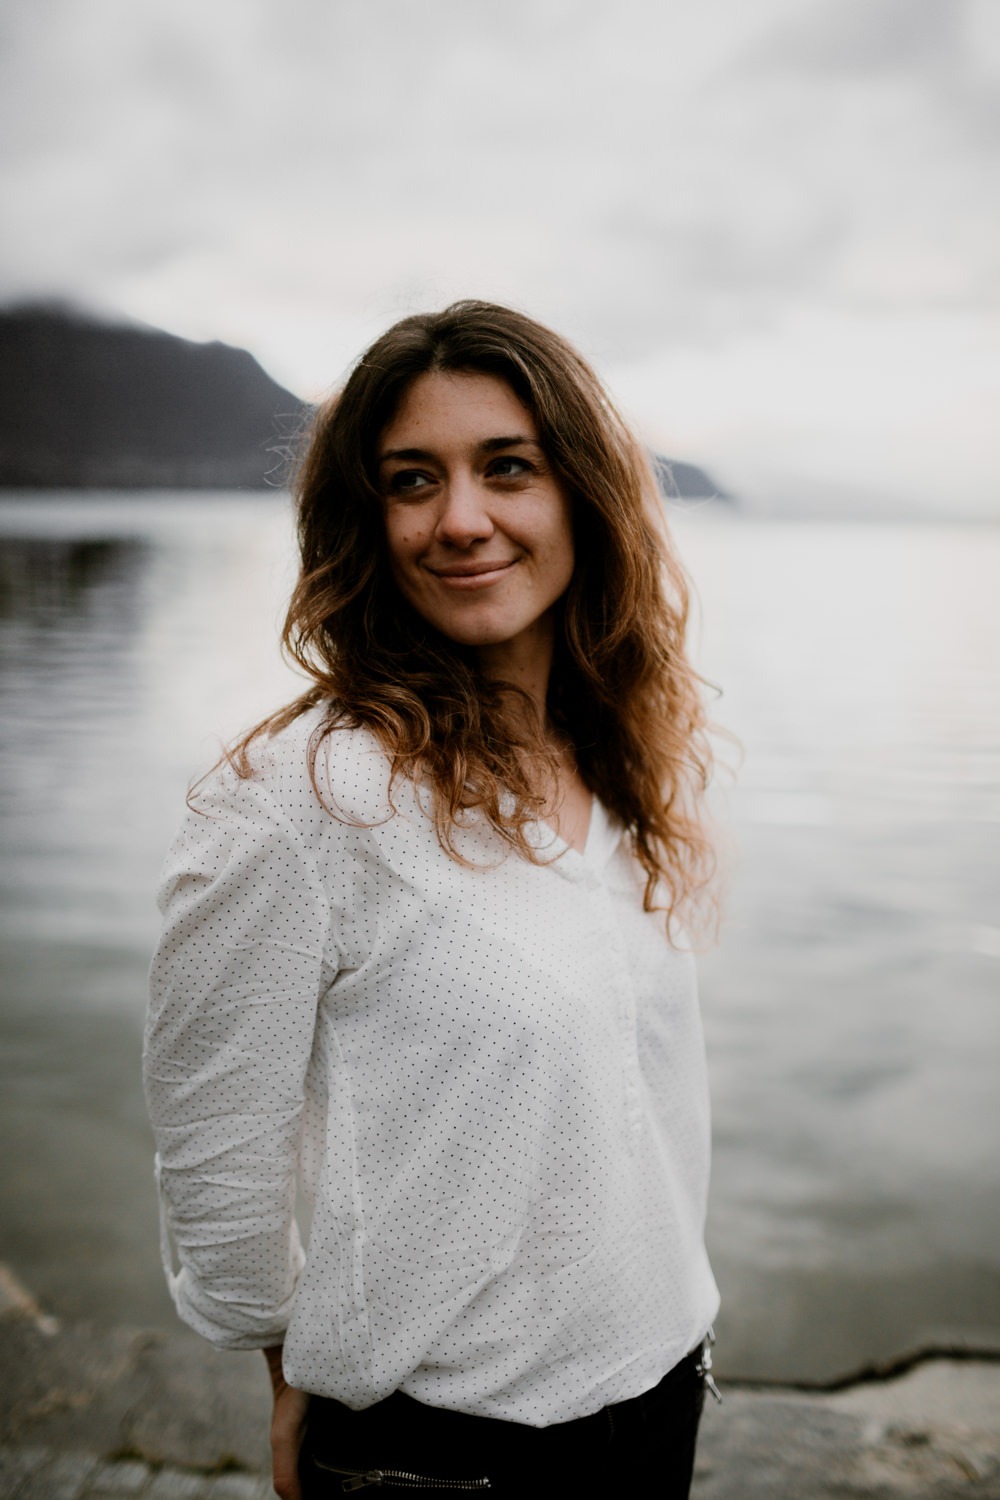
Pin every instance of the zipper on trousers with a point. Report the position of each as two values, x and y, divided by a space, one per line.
359 1479
704 1366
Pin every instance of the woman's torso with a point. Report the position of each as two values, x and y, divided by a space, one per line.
507 1138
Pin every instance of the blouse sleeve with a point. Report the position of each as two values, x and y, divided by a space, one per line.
234 988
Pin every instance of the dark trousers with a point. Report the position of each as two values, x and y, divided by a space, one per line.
644 1446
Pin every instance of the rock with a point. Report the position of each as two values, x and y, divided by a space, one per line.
87 1413
872 1442
161 1399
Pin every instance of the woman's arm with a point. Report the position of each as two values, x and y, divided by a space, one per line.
235 984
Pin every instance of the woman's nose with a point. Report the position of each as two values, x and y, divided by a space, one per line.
465 516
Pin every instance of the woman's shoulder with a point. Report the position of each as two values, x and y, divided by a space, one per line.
313 767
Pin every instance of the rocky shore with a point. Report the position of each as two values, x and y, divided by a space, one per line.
88 1413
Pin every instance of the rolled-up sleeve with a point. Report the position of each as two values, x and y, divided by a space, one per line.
244 957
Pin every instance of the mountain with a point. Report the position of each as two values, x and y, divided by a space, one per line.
87 404
679 481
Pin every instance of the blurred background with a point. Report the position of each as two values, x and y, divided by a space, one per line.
774 229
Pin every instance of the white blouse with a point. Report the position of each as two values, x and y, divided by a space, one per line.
489 1079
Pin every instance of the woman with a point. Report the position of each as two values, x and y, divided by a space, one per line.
424 953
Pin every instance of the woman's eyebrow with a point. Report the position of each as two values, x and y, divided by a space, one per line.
488 445
411 455
491 445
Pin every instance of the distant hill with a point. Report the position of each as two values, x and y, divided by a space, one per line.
679 481
86 404
92 405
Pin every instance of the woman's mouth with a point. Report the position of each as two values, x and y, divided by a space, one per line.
477 575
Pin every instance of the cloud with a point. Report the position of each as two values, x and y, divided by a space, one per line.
857 38
656 177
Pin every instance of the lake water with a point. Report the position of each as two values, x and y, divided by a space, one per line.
851 1007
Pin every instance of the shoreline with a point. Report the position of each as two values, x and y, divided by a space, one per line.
89 1412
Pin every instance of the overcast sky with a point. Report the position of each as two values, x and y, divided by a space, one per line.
773 224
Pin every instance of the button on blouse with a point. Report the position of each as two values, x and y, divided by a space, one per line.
487 1077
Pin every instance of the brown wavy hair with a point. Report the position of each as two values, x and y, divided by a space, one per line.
621 690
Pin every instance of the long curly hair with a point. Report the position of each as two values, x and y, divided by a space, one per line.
622 690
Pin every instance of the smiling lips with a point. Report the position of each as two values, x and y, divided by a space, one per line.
472 575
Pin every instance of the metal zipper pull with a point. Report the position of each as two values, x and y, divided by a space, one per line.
361 1481
704 1366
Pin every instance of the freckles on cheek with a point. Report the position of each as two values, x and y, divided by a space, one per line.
407 548
399 539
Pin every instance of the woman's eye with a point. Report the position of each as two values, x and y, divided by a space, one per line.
407 482
509 468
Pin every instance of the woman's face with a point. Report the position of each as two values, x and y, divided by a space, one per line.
477 524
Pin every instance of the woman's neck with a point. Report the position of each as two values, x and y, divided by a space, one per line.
526 664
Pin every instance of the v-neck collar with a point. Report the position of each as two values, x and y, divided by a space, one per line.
602 839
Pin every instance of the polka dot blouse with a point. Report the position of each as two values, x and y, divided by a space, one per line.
487 1078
